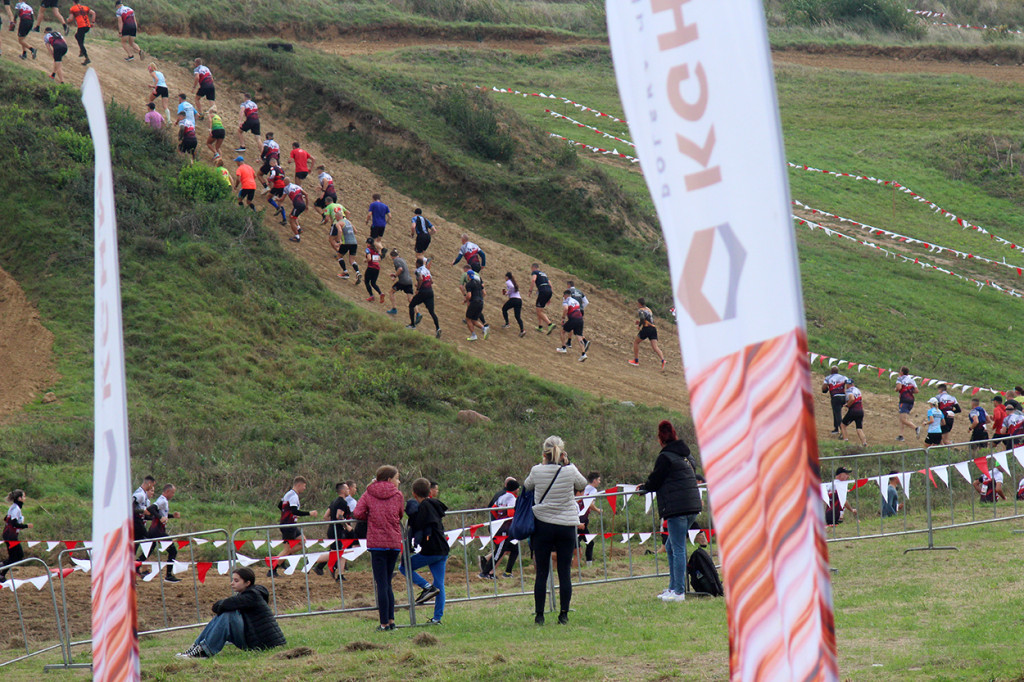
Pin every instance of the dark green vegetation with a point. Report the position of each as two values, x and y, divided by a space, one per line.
243 370
885 15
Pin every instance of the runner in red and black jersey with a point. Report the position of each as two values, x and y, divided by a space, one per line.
57 47
26 17
14 523
204 83
290 513
372 270
161 511
854 413
424 295
298 198
276 183
187 137
330 195
907 389
572 323
835 385
248 120
127 28
949 407
270 150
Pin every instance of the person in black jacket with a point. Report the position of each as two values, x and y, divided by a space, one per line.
426 529
245 620
674 479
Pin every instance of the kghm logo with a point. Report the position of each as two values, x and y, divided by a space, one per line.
696 281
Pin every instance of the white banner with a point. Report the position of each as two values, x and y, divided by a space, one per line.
696 84
115 650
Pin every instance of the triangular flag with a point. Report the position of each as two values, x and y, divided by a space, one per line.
71 544
1018 452
693 534
905 482
484 539
609 536
293 563
841 488
612 499
87 544
145 548
182 544
1001 458
495 525
589 537
13 543
33 543
238 544
311 561
180 567
223 567
293 543
648 499
259 543
353 554
50 545
643 537
964 471
823 489
629 490
164 544
982 463
39 581
200 541
219 543
202 568
310 543
942 471
83 564
245 561
625 538
586 502
154 570
62 572
453 535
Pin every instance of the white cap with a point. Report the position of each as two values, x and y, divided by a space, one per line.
933 401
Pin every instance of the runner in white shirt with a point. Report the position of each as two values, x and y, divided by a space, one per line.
906 387
204 83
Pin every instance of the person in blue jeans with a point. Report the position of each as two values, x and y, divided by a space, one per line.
674 479
244 619
426 531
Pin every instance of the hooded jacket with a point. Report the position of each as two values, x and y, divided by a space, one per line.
261 628
428 527
381 507
674 479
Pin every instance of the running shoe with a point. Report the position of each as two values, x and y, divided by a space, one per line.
561 349
216 156
359 277
540 328
141 53
834 432
87 62
487 332
65 29
410 326
10 27
36 29
427 594
239 149
130 58
263 191
434 621
522 333
24 55
471 338
899 439
284 222
294 238
505 326
586 346
318 569
343 275
917 431
33 51
635 363
371 299
551 328
382 298
583 358
171 579
53 76
393 311
419 316
663 365
437 333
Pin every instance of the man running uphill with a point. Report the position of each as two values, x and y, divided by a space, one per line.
645 331
245 182
248 120
572 323
424 295
298 197
127 28
203 82
472 253
57 47
540 281
26 16
474 304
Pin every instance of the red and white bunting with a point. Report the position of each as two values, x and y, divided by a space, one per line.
602 133
597 150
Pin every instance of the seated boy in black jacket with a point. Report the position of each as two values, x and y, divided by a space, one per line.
245 620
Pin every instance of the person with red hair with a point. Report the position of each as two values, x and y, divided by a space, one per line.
674 479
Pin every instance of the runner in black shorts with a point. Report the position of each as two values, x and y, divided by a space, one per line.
403 281
572 324
421 230
57 47
541 282
204 83
187 136
646 331
26 17
54 7
248 120
474 303
424 295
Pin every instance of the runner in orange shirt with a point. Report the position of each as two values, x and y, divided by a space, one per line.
245 182
84 17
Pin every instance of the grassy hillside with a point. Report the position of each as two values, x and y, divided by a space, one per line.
242 369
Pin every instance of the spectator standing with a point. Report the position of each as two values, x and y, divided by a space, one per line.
906 388
835 510
556 520
14 523
244 619
427 526
674 479
835 386
381 508
854 413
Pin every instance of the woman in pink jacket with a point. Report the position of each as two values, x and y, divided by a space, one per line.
381 507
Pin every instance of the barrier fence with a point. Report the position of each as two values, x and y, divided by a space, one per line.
623 529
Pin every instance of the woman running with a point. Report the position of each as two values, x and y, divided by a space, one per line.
514 302
372 270
424 295
14 522
217 134
160 90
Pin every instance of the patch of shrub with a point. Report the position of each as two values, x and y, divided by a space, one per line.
473 117
201 183
886 15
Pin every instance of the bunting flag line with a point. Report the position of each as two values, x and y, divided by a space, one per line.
917 197
596 150
927 13
508 91
933 248
609 136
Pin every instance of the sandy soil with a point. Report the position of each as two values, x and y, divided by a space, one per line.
26 366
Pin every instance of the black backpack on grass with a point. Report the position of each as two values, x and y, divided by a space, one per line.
703 574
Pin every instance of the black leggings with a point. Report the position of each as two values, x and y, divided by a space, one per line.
383 563
80 37
15 554
548 538
370 280
426 297
837 411
516 304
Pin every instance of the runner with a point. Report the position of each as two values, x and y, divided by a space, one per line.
422 229
934 422
10 15
949 407
338 511
978 419
329 211
289 506
854 413
159 90
54 7
907 388
467 273
298 198
217 134
14 523
403 281
127 28
581 298
278 182
57 47
245 182
187 138
204 83
161 511
572 323
835 385
301 158
474 304
424 295
248 120
26 17
84 19
327 187
514 303
155 120
186 109
541 282
270 150
377 217
140 509
348 244
1014 425
472 253
372 270
645 331
224 172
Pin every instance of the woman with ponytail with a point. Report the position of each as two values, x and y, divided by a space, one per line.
13 523
556 518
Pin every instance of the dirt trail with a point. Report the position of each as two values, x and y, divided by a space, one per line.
886 64
26 366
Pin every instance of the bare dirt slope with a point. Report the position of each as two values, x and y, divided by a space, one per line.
884 63
25 346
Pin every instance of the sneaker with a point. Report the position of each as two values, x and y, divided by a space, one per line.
10 26
586 346
485 576
551 328
318 569
273 573
561 349
53 76
635 363
437 333
522 333
141 53
506 575
65 29
434 621
384 628
487 332
917 431
471 338
410 326
264 190
359 277
899 439
538 619
36 29
540 328
393 311
563 618
427 594
663 595
284 222
834 432
87 62
481 561
130 59
239 149
294 238
371 299
382 298
24 55
194 651
583 358
171 579
505 326
419 316
676 596
663 365
343 275
216 156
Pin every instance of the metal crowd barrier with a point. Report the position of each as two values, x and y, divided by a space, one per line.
12 569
